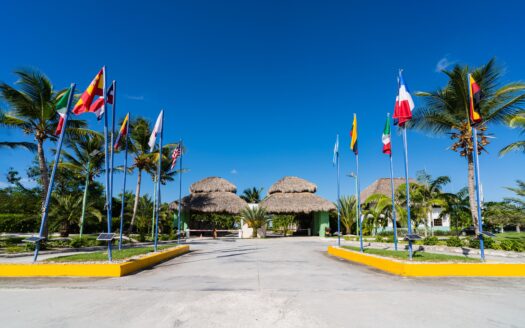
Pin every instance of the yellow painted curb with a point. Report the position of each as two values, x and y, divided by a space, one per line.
418 269
90 270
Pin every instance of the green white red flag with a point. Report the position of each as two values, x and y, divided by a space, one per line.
61 108
387 145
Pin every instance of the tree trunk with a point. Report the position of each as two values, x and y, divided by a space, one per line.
472 193
136 204
84 201
44 178
518 228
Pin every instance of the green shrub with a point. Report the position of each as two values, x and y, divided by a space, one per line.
378 239
496 246
506 245
430 240
518 246
16 249
454 242
442 233
487 242
164 237
18 222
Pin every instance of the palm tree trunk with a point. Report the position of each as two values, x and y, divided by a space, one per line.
136 204
84 200
44 177
472 193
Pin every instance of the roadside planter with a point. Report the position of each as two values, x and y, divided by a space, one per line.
433 269
94 269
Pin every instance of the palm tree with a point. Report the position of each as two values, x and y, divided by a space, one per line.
33 110
255 218
378 209
66 210
431 195
143 160
445 112
518 121
347 206
456 208
252 195
86 161
518 202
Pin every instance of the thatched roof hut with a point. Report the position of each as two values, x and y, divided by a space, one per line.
382 186
213 195
295 195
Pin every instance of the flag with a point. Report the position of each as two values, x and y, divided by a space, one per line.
353 136
175 155
98 105
404 103
475 95
122 133
387 145
61 108
336 150
85 103
156 130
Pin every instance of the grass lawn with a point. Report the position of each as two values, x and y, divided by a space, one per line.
417 256
103 255
517 236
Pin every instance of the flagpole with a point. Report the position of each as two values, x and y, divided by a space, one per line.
106 164
158 183
180 194
405 150
113 113
394 223
123 199
477 178
393 202
155 179
360 222
338 195
53 172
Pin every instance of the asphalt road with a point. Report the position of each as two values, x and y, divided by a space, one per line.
286 282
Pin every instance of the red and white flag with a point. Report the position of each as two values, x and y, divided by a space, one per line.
175 155
404 103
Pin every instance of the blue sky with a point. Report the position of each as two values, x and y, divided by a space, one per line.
259 89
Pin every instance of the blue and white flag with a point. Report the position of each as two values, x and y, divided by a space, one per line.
336 150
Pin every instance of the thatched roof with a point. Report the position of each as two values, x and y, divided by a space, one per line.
382 186
214 202
212 184
212 195
295 195
292 185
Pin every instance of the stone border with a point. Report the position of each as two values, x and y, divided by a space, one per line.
90 270
422 269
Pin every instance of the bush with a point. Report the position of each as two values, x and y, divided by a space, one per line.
379 239
454 242
487 241
518 246
430 240
58 243
442 233
506 245
164 237
18 222
77 242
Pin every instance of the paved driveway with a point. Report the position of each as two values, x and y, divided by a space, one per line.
261 283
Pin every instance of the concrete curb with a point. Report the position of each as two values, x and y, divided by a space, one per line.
90 270
419 269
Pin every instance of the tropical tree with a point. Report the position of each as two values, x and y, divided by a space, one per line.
85 160
456 207
252 195
517 121
32 104
284 223
347 206
445 112
66 211
378 210
519 202
430 193
255 218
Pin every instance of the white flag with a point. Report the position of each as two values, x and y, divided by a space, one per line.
336 150
156 130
